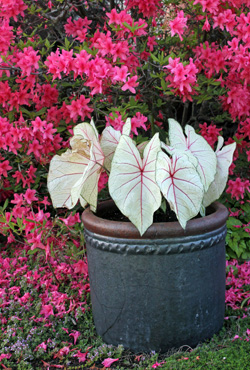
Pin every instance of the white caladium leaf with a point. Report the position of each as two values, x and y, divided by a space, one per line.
89 189
64 172
196 145
75 174
86 188
142 146
88 134
175 134
170 150
224 160
207 161
180 184
127 127
109 141
132 181
92 123
220 143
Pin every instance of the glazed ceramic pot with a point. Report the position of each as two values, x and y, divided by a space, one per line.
163 290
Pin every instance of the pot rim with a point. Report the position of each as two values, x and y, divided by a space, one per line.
158 230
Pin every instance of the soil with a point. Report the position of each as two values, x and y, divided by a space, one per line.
159 216
114 214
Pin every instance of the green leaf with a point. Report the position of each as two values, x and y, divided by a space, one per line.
164 85
61 129
2 219
41 111
154 57
131 28
203 211
19 222
67 43
47 43
30 252
5 204
246 207
163 205
232 221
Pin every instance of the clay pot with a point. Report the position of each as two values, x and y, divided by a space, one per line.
162 290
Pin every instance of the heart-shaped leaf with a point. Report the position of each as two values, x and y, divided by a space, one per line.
109 141
132 181
170 150
175 134
64 172
86 188
88 134
75 174
198 147
127 127
180 184
224 160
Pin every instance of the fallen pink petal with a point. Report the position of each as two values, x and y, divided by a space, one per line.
109 361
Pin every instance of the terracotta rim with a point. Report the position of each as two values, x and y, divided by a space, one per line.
158 230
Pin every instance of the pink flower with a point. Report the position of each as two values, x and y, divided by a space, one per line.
102 181
25 298
182 78
3 355
30 196
79 107
82 357
151 42
109 361
237 188
75 334
155 365
81 267
138 121
147 8
47 310
35 148
120 74
71 220
62 352
178 24
4 167
210 133
115 121
130 84
236 337
41 345
206 26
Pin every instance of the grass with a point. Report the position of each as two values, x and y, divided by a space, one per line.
47 323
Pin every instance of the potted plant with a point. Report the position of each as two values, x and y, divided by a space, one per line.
153 285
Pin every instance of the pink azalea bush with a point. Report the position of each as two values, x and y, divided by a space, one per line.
63 62
150 61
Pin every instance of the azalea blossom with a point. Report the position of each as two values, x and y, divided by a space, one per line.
130 84
178 24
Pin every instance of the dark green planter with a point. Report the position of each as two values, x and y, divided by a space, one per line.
163 290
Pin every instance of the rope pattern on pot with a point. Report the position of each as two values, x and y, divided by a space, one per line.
155 246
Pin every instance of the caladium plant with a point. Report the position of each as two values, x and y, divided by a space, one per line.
185 171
